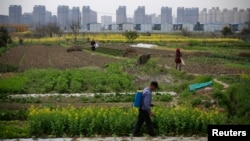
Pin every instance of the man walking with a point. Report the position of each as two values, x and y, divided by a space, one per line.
93 45
178 56
145 110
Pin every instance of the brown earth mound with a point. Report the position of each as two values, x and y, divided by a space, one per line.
74 48
130 52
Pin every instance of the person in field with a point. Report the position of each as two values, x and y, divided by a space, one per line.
92 43
145 112
178 62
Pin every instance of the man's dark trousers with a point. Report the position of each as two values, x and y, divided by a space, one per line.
144 116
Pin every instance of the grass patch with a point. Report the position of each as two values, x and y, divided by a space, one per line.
13 85
238 66
229 79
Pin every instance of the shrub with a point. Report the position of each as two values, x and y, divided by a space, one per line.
226 31
21 41
4 37
245 31
13 114
236 100
238 95
196 102
130 35
166 98
202 79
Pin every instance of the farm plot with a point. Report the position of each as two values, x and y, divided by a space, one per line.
27 57
207 60
103 121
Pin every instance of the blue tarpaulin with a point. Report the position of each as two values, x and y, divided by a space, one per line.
194 87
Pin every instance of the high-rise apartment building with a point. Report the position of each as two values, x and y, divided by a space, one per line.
236 15
75 16
203 16
139 15
88 16
166 15
4 19
106 21
15 14
191 15
121 15
53 19
214 15
244 16
180 14
27 19
130 20
63 17
225 16
39 15
148 19
48 16
187 15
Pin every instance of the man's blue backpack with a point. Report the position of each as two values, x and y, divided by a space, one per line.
137 99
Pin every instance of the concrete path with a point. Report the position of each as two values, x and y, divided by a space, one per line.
77 94
117 139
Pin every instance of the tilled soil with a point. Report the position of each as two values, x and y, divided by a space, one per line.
39 56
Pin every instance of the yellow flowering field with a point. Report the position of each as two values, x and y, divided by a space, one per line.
89 121
160 38
112 37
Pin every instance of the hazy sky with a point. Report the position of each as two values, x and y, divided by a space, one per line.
108 7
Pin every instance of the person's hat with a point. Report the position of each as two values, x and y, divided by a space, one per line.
155 83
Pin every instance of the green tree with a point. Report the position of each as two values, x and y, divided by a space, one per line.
185 32
245 31
131 35
226 31
4 37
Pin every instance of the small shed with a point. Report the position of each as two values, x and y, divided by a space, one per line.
146 28
94 27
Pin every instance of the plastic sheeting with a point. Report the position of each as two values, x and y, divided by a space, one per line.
194 87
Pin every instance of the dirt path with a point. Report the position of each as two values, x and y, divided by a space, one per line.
225 85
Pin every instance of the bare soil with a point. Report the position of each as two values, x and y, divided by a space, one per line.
39 56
